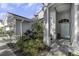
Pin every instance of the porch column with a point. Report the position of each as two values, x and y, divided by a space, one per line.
46 27
21 27
75 29
52 24
15 27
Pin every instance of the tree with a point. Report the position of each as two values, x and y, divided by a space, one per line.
1 32
10 33
38 28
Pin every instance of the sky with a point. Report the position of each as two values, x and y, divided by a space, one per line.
27 10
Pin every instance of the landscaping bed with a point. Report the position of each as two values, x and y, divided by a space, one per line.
31 43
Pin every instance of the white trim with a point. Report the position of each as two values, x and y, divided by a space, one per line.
21 27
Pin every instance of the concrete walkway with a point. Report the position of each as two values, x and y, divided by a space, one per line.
5 50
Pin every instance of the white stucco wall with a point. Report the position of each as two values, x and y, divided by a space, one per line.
63 15
74 28
53 23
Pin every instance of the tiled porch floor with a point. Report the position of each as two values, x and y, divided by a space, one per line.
61 48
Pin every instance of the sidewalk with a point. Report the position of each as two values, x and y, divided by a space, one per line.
5 50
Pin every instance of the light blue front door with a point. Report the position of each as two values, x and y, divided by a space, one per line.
65 30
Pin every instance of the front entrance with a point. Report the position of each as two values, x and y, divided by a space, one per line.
59 22
63 21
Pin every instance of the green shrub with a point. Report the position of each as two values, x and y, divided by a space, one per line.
31 46
31 43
